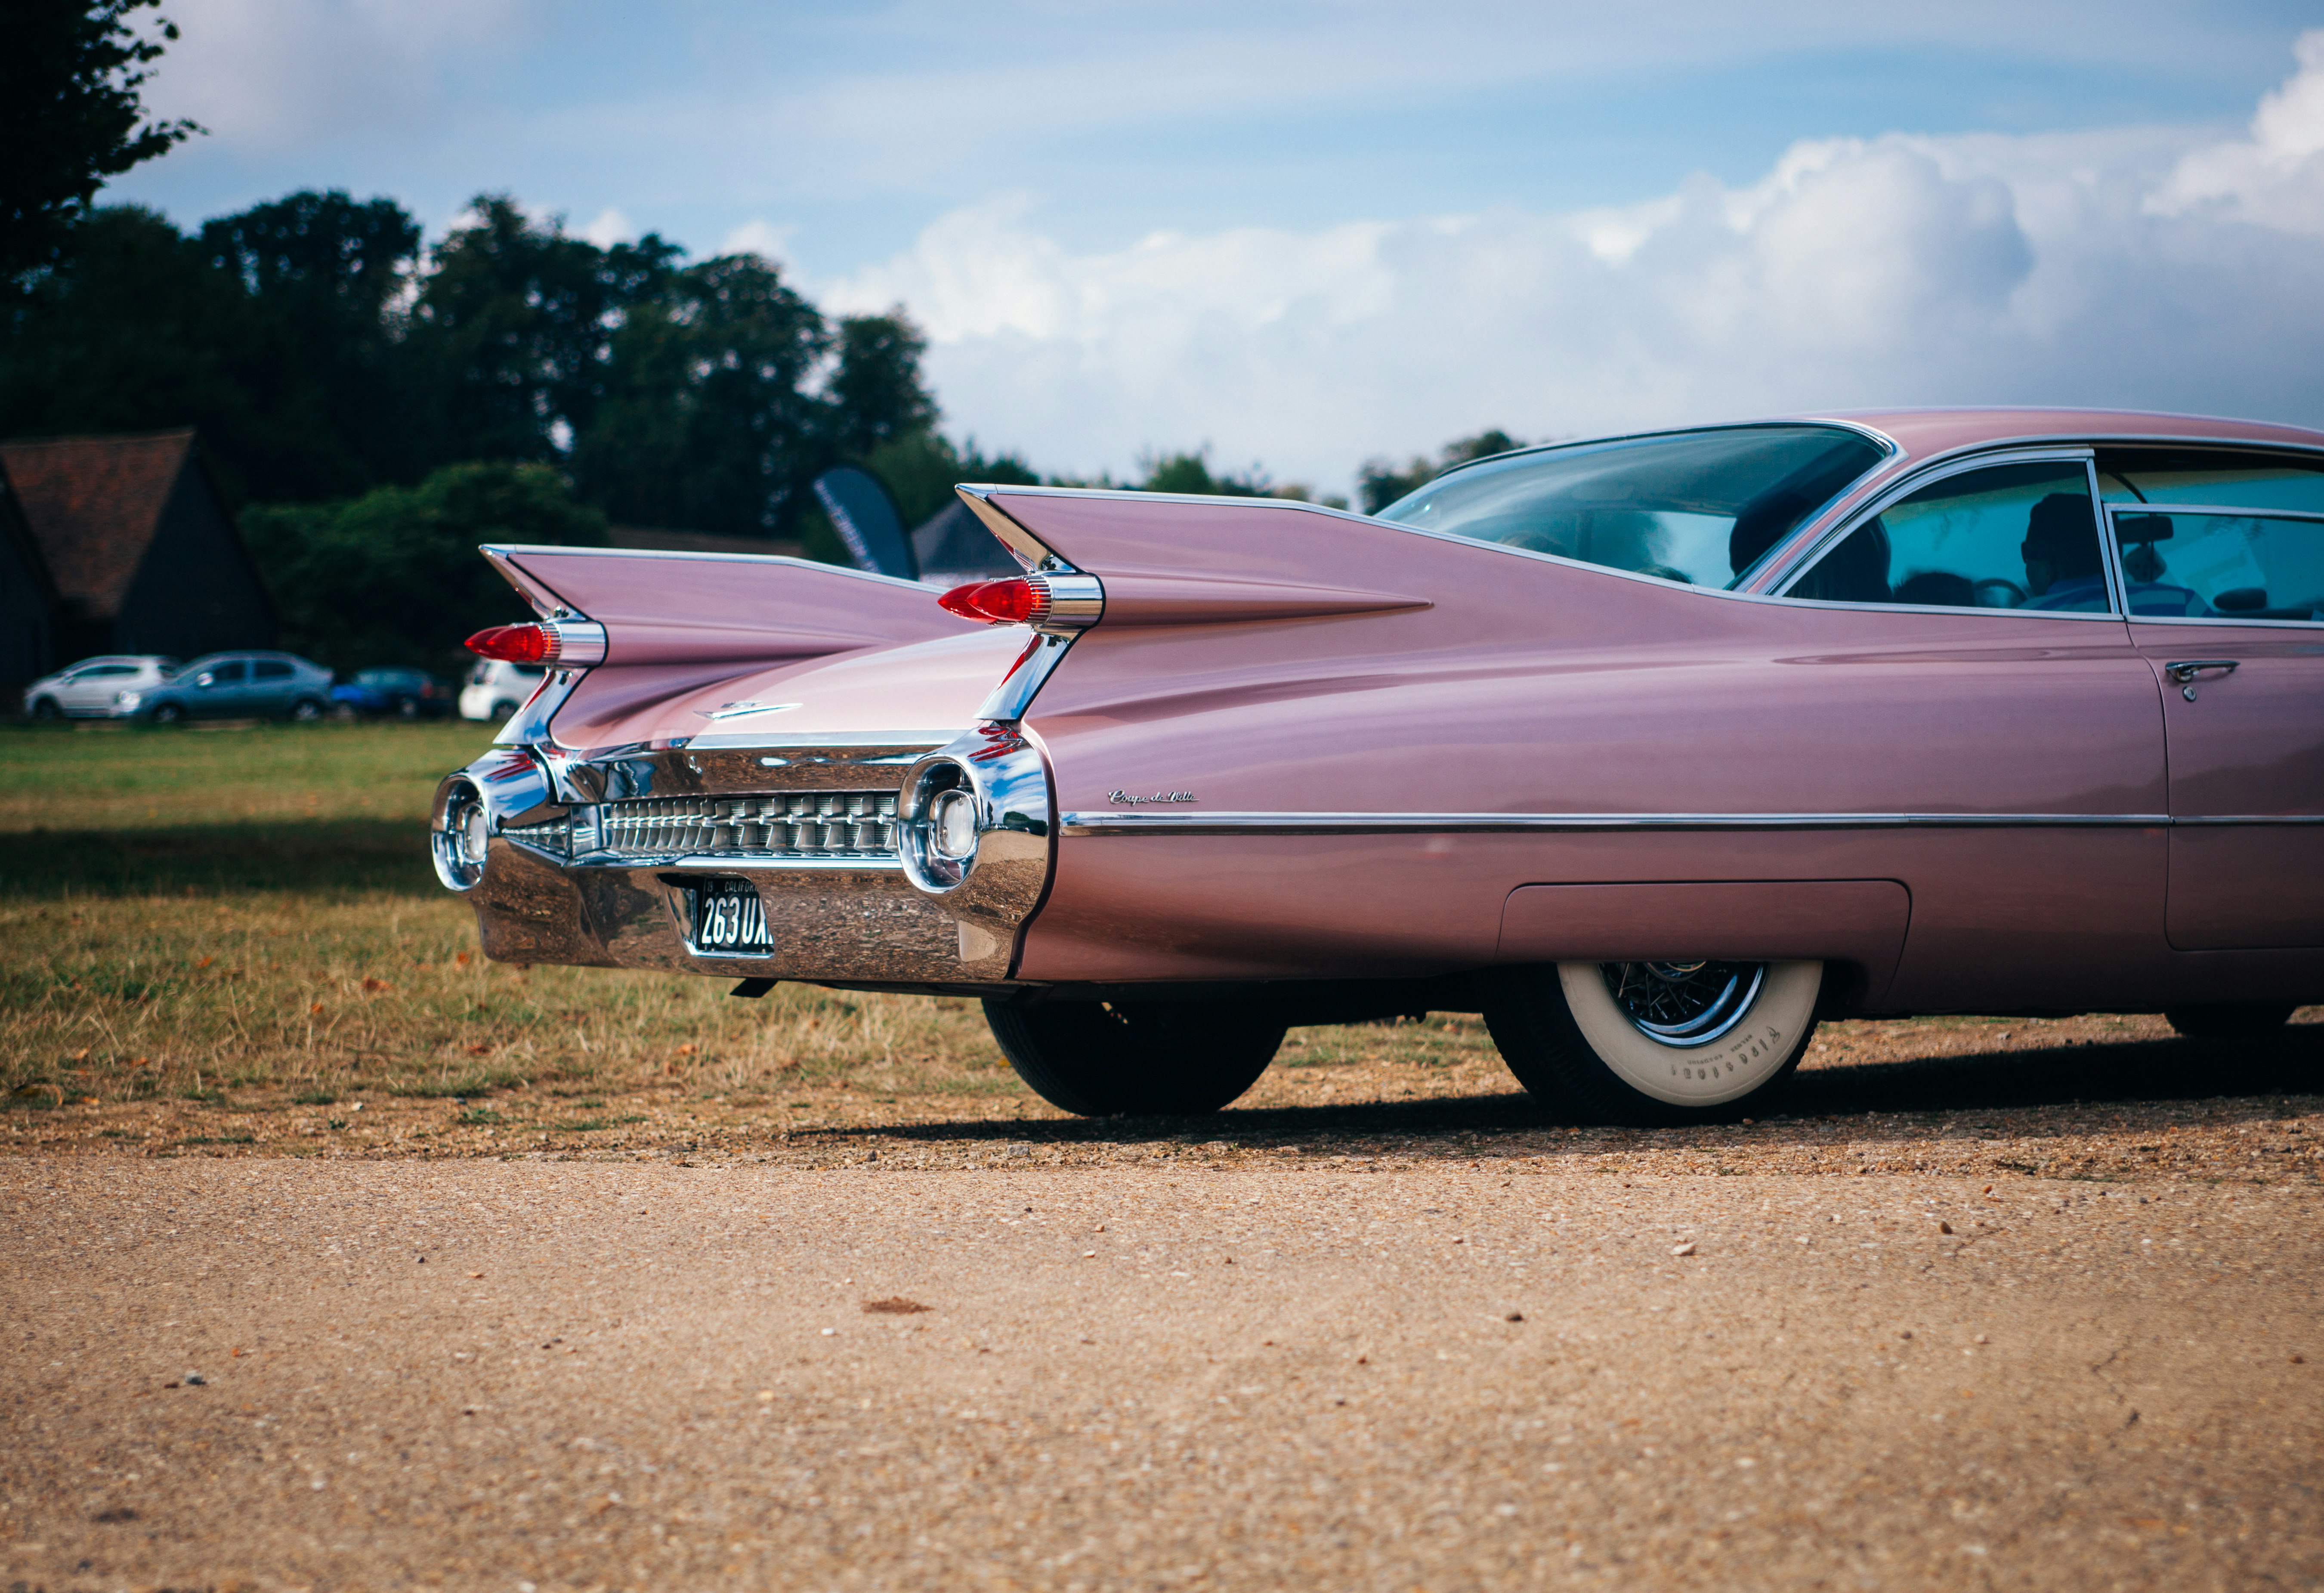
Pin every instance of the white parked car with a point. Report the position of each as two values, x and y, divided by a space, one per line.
91 688
496 689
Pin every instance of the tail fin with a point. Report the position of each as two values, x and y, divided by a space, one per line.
677 621
715 608
1178 561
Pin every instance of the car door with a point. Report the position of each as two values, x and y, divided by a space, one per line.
2227 604
273 685
221 690
2006 675
89 689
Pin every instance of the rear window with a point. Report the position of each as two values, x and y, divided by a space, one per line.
1701 507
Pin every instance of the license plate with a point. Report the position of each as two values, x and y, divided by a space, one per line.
729 919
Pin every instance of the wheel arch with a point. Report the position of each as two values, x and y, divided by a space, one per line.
1855 926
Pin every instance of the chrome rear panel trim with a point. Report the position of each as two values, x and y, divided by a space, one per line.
749 765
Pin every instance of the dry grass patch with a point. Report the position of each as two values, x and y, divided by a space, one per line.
229 943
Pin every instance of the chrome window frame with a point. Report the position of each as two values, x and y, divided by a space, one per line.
2114 552
1944 470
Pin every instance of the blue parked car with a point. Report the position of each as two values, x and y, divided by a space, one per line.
232 686
400 694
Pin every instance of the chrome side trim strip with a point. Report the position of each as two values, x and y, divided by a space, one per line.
1023 546
1489 824
2251 818
505 553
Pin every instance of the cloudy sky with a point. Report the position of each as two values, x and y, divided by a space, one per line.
1307 232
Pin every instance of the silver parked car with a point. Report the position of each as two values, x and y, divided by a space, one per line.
92 689
236 685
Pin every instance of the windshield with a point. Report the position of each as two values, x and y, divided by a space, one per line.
1701 507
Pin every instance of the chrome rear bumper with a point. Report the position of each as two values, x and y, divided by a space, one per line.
585 861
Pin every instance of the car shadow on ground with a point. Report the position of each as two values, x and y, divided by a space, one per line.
1968 1096
338 856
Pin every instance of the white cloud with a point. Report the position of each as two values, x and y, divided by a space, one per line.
273 75
2059 269
2275 177
610 227
758 236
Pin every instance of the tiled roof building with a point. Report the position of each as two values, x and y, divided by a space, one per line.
28 600
139 552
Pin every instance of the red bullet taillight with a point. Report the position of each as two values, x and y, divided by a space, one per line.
550 644
515 644
1017 601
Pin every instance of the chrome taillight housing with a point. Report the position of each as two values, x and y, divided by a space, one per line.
458 835
1053 602
973 830
495 795
552 643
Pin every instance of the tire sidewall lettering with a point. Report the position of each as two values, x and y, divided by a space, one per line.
1728 1068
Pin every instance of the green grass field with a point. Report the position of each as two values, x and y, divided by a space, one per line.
191 911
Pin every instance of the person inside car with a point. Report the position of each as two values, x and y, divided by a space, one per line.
2063 568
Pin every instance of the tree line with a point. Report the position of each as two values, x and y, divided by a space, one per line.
376 406
323 353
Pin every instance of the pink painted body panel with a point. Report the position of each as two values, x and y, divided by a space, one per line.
2250 744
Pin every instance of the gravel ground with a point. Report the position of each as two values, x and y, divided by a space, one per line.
1988 1304
1473 1374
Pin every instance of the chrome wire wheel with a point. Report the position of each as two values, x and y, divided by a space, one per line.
1685 1004
1653 1042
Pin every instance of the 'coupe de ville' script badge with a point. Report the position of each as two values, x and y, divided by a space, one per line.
1124 799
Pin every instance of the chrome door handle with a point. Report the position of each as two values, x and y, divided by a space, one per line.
2185 670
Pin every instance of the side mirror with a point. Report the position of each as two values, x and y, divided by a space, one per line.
206 679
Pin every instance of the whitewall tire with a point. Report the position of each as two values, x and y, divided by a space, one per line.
1654 1042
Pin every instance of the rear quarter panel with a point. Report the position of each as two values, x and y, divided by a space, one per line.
1518 685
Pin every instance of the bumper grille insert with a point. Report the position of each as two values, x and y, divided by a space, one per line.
773 827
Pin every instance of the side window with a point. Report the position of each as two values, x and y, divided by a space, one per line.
271 669
2215 478
233 672
2011 537
2188 564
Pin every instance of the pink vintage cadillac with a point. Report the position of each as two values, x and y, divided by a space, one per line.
1653 749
